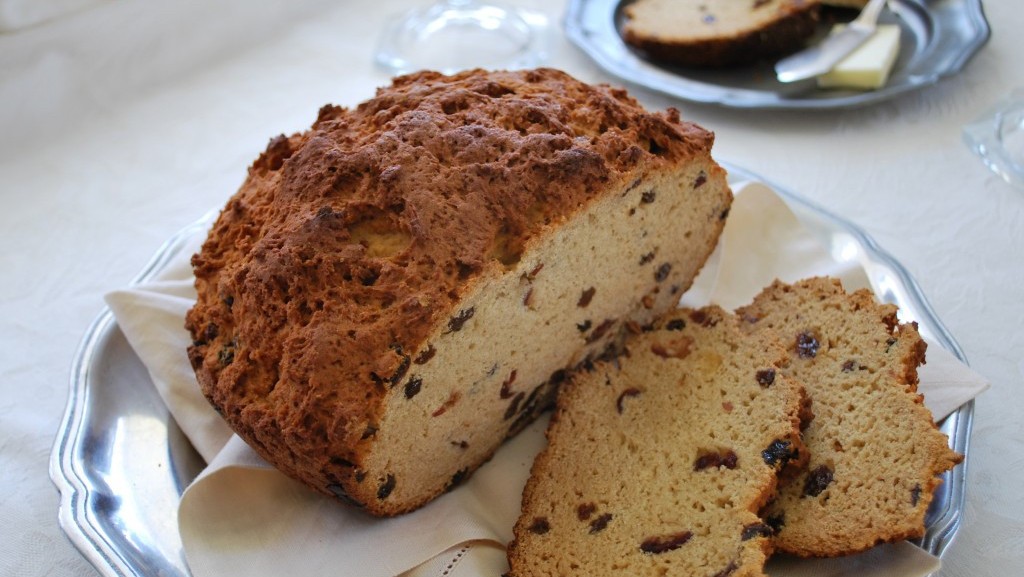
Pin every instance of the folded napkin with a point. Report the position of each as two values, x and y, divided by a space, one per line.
242 517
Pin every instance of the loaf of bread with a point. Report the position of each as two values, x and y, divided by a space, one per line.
718 33
658 461
394 292
875 452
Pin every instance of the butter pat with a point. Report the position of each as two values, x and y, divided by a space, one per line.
869 65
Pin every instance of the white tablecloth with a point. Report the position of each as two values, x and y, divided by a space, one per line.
122 121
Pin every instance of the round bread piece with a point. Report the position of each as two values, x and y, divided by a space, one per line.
875 450
658 461
394 292
716 33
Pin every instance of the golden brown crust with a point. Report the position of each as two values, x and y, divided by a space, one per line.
717 34
349 243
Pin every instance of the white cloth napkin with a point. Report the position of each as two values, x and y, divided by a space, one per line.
242 517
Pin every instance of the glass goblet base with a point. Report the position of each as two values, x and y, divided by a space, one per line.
997 138
458 34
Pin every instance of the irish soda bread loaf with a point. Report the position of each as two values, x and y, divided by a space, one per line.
395 291
658 462
875 451
715 33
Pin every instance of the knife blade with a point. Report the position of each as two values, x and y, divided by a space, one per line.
822 57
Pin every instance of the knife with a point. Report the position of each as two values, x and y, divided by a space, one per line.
822 57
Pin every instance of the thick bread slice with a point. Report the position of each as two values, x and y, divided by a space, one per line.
875 451
718 33
395 291
659 461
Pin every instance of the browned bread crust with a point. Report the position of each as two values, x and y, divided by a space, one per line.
875 451
719 33
658 462
393 292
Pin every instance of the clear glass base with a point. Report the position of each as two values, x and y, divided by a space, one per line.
998 139
459 34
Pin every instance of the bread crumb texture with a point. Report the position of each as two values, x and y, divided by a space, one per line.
393 292
875 452
659 461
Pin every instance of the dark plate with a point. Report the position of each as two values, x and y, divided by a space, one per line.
937 39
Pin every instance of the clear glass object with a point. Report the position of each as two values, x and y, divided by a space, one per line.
997 137
453 35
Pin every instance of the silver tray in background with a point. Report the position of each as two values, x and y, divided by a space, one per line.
121 463
937 39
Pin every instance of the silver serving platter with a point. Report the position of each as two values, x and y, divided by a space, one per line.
937 39
121 463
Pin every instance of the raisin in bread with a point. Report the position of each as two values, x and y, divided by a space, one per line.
658 462
394 292
719 33
875 450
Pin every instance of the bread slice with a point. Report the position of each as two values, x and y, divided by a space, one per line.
394 292
875 452
659 461
718 33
